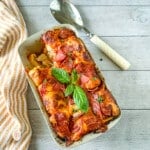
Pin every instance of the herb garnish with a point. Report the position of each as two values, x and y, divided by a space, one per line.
61 75
100 99
80 99
74 76
79 94
69 90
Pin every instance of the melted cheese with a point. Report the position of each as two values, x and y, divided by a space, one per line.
64 50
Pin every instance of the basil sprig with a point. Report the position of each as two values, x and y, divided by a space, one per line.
74 76
69 90
80 98
61 75
79 94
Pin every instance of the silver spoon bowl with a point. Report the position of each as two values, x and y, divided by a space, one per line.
65 12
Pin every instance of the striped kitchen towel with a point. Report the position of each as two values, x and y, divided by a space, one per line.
15 130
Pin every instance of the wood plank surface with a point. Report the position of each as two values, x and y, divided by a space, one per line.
102 20
86 2
131 133
134 49
129 88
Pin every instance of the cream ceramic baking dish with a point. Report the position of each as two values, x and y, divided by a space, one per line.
33 45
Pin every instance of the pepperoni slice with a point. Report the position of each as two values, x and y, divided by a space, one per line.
84 79
60 56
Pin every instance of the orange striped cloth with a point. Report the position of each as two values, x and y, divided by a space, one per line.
15 130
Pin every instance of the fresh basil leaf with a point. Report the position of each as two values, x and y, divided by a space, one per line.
74 76
100 99
61 75
80 99
69 90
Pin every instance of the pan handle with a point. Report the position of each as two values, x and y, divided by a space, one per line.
111 53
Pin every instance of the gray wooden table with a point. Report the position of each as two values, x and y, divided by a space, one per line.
125 25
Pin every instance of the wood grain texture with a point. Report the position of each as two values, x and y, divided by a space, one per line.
134 49
101 20
130 89
87 2
129 134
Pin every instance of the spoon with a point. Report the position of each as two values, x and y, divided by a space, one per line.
65 12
